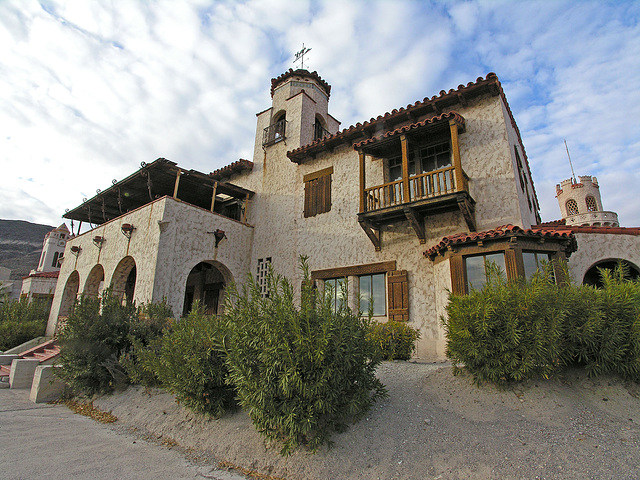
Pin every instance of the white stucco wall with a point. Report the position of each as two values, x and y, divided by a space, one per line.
169 239
594 248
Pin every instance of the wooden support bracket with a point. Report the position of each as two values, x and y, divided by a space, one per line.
416 221
468 212
373 233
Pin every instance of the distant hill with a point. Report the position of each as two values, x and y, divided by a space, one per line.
21 245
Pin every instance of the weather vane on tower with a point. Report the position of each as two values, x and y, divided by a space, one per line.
300 56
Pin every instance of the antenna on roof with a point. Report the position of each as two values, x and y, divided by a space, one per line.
573 174
300 56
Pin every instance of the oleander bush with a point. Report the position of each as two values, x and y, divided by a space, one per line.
513 331
189 361
394 340
21 320
301 373
507 331
604 326
99 334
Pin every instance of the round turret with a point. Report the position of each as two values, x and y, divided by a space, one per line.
580 203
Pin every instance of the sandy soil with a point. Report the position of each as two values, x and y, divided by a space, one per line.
433 425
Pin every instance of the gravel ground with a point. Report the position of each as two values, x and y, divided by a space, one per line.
433 425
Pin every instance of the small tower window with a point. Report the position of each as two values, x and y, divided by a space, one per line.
54 264
276 131
591 204
572 207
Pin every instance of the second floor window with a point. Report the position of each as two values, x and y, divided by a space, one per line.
317 192
276 131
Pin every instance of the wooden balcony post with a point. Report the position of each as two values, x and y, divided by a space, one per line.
405 169
213 197
175 188
362 182
455 149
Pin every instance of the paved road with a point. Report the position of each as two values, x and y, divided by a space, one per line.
50 441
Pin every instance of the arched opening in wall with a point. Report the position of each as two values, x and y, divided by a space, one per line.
95 282
572 207
592 206
69 294
592 276
320 128
123 283
206 283
277 130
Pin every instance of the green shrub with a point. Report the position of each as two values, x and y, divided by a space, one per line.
99 334
604 326
93 339
395 340
190 363
300 373
508 331
145 335
21 320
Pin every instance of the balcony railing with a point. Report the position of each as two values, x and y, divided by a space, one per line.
274 133
319 131
424 186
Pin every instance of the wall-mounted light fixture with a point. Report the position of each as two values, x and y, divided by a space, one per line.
76 249
219 235
98 241
127 229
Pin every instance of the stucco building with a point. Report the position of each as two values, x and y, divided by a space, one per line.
405 206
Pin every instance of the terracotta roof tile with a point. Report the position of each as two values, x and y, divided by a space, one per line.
235 167
414 126
291 72
452 96
43 275
503 231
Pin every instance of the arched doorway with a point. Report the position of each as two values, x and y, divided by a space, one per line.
69 294
592 276
95 282
206 283
123 282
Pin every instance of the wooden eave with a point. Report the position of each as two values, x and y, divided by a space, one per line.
428 107
150 182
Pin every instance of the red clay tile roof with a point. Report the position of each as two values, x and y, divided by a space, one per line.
433 104
235 167
436 103
588 229
414 126
43 275
305 73
503 231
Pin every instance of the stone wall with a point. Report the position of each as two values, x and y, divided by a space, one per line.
594 248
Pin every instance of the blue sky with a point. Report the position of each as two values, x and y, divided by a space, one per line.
91 88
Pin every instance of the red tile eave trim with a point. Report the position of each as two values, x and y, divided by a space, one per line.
585 229
455 116
497 233
491 84
304 73
235 167
42 275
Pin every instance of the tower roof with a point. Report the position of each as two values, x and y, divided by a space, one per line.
275 82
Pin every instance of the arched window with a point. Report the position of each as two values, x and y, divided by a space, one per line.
591 204
276 131
572 207
54 264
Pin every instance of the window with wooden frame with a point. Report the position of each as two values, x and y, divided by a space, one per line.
477 268
338 289
373 295
317 192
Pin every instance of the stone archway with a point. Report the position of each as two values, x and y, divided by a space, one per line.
95 282
69 294
206 283
123 281
592 276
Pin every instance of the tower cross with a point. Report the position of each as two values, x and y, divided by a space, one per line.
300 56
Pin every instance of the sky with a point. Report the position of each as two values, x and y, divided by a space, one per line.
89 89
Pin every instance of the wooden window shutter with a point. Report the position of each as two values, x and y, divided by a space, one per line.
317 192
398 293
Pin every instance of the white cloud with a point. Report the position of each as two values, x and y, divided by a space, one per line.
88 90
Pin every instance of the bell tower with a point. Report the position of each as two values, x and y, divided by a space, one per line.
580 203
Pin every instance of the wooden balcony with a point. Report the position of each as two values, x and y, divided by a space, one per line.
414 197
